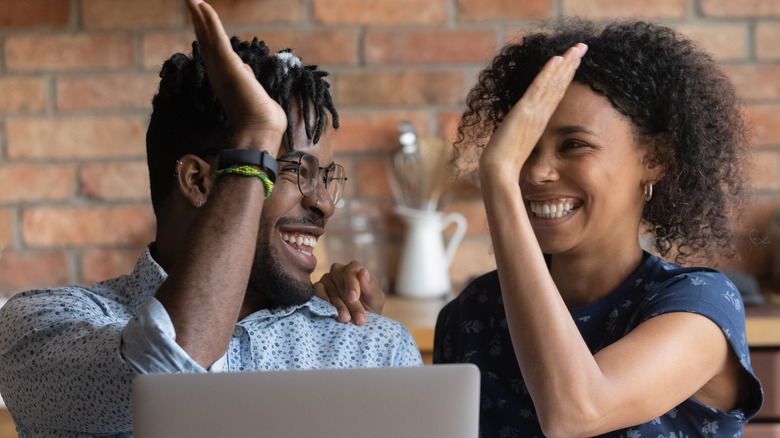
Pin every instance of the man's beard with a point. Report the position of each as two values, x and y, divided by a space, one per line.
272 283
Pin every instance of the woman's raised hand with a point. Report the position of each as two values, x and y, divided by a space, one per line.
255 118
513 141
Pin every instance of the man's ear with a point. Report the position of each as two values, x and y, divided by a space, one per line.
194 179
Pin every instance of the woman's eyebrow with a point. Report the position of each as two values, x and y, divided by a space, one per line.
573 129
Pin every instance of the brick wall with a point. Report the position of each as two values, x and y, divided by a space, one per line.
77 76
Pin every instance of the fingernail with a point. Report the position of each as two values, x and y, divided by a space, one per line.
557 60
353 296
360 320
343 316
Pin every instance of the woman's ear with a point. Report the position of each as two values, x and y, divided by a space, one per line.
194 179
655 159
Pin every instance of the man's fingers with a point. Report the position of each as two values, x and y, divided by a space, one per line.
216 36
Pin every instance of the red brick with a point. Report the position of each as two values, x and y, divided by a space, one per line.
130 14
755 81
765 175
380 11
36 183
473 257
98 264
22 95
159 46
313 47
480 10
92 137
601 9
372 176
34 13
106 92
115 181
361 131
29 270
68 52
6 229
86 226
474 212
431 47
724 42
764 120
249 12
746 8
325 47
399 88
767 36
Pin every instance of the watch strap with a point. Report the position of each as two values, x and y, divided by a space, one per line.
261 159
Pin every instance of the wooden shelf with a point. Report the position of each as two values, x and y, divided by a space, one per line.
419 316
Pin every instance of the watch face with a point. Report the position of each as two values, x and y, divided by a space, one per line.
264 160
269 164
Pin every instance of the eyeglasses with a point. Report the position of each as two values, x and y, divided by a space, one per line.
308 170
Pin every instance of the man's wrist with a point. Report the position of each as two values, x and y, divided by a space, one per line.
238 157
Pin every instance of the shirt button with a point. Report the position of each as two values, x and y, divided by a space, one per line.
238 331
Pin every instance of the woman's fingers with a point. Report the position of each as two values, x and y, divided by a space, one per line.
551 83
522 127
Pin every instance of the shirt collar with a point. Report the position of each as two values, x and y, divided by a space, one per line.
148 276
315 305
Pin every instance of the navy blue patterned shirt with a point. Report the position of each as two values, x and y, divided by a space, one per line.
68 355
473 329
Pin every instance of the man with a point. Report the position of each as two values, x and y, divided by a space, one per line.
225 286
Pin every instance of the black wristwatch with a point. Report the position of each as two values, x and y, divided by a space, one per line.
262 159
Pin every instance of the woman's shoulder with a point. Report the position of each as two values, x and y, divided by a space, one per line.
480 288
668 278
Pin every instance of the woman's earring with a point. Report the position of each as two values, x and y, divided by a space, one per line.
199 203
648 192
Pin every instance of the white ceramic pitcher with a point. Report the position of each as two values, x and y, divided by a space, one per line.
423 271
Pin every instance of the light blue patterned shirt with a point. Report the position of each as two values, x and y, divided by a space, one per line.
68 355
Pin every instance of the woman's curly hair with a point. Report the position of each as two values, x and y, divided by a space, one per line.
669 89
187 118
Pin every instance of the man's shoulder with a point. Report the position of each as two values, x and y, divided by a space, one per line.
99 296
328 313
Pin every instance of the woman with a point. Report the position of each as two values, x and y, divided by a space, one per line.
580 332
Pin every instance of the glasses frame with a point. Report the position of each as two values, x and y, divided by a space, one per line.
332 169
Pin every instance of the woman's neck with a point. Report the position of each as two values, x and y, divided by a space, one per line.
584 278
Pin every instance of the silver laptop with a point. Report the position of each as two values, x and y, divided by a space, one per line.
433 401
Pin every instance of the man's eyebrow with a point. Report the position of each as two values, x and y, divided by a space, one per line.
573 129
291 154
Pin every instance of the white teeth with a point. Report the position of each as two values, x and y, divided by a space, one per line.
301 240
550 210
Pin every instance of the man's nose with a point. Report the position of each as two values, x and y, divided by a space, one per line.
319 201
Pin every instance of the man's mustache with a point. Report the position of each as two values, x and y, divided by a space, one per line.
311 220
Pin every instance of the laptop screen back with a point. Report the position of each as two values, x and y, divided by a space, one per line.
430 401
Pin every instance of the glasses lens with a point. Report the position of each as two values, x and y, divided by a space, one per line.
335 182
307 174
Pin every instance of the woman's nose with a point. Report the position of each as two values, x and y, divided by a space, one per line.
540 168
